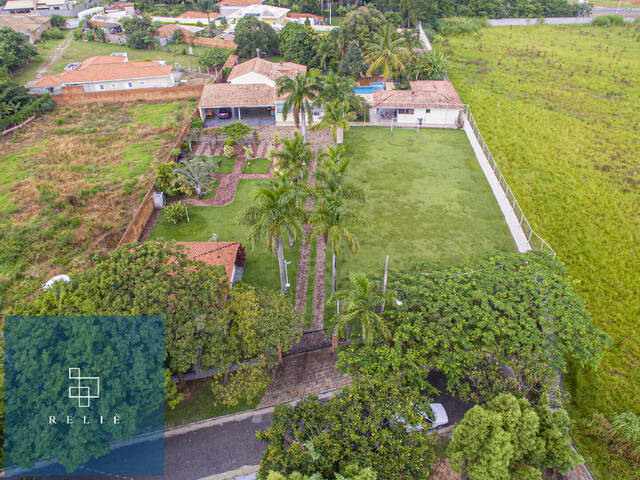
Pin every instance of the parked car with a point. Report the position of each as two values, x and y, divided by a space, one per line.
224 113
437 418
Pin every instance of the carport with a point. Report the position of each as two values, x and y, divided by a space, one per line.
252 104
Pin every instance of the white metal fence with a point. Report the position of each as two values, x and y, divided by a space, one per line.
535 240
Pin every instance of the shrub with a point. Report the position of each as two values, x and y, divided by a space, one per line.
165 180
606 20
241 256
175 213
459 25
52 33
57 21
236 130
229 151
197 123
41 105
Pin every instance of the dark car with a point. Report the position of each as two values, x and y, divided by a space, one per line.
224 113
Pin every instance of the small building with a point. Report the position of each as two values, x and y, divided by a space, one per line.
31 26
113 72
303 17
127 7
261 71
37 6
428 102
188 32
227 7
90 12
199 16
217 253
274 16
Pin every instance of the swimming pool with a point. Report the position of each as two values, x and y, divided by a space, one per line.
369 90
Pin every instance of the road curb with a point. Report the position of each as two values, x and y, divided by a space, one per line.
243 473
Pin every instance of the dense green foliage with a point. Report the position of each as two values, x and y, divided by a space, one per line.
17 104
213 57
125 350
509 439
251 35
15 49
298 43
557 107
493 324
140 31
350 472
353 426
57 21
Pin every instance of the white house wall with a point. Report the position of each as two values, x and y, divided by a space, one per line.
253 78
157 82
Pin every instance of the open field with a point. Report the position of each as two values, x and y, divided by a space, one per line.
69 184
558 106
427 199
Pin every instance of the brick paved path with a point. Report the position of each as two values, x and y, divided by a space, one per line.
304 374
319 284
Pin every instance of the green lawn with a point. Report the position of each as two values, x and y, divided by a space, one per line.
199 405
262 266
558 106
427 199
257 165
227 164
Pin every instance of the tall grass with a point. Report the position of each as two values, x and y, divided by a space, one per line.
558 106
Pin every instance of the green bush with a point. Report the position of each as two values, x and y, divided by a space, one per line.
236 131
52 33
175 213
606 20
165 180
41 105
459 25
197 123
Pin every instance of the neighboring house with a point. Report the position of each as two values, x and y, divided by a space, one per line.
104 73
428 102
188 18
302 18
227 7
250 95
216 253
274 16
90 12
37 6
258 70
199 16
127 7
31 26
188 31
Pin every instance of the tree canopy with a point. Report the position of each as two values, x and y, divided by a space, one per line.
252 35
299 43
504 322
15 49
354 426
510 439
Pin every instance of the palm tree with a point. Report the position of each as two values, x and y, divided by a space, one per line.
334 118
330 181
273 214
301 91
384 51
361 306
294 156
327 49
206 6
332 219
197 173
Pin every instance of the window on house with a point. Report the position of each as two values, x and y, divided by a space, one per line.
428 110
130 84
101 87
405 111
113 85
141 83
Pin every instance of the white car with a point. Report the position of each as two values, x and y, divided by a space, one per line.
57 278
438 418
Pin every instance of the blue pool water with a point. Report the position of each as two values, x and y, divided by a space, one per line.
370 89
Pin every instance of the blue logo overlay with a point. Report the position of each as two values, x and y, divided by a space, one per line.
84 396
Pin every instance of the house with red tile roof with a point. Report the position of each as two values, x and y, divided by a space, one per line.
302 18
227 7
109 72
261 71
217 253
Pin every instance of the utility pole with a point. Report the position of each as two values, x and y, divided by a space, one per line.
384 281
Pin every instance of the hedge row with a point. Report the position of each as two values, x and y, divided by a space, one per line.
42 104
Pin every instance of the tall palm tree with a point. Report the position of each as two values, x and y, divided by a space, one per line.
301 91
294 157
327 49
334 220
384 51
206 6
196 173
330 180
361 307
334 117
274 214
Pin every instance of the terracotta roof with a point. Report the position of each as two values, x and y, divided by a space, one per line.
213 253
119 6
194 14
216 95
239 3
270 70
167 30
106 68
231 61
303 15
423 94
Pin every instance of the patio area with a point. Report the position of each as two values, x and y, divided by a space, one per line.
254 116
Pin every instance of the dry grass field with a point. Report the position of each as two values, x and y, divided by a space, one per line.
69 184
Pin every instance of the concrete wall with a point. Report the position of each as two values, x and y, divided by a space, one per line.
523 22
436 116
77 96
156 82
